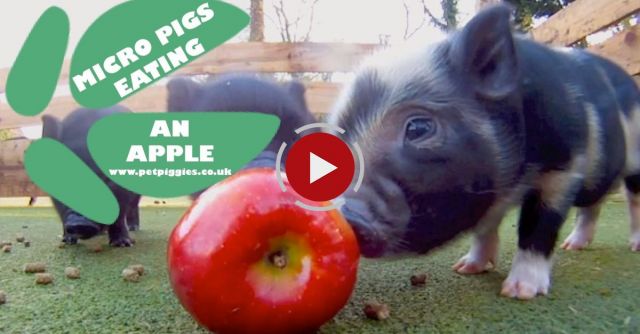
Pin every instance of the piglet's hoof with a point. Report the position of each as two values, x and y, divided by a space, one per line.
122 242
82 229
69 240
522 290
635 242
481 258
579 239
469 266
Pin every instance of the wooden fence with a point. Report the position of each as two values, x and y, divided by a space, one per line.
566 27
254 57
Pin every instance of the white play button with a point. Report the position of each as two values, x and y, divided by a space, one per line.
318 168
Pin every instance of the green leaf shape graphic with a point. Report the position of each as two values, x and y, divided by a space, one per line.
60 173
126 25
236 137
34 76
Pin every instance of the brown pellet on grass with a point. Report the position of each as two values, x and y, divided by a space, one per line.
44 278
130 275
6 249
5 243
36 267
19 237
3 297
138 268
419 279
27 243
376 311
72 272
96 249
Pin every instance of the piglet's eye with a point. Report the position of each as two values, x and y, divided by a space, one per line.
419 129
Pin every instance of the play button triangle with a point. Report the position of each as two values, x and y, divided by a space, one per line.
318 168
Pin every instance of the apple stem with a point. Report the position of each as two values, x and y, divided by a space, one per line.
278 259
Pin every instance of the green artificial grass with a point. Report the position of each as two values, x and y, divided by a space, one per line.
594 291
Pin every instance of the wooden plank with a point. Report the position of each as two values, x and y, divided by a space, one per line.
582 18
13 178
14 182
623 49
320 97
150 99
281 57
12 152
265 57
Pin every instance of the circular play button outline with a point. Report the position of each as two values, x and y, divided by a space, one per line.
358 161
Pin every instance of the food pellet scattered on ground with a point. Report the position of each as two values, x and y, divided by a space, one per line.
130 275
138 268
19 237
6 249
44 278
376 311
72 272
419 279
36 267
3 297
96 249
27 243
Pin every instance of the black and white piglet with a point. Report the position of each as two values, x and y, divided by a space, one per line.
456 133
72 132
246 93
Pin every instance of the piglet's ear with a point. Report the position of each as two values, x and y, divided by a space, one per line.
182 93
484 50
51 127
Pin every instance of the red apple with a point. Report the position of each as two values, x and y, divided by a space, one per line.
246 259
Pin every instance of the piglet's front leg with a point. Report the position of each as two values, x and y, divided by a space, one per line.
118 233
483 255
541 217
133 214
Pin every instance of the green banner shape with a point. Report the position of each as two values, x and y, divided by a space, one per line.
141 41
34 75
175 154
60 173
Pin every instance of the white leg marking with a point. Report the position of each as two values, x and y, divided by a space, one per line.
582 234
530 276
634 218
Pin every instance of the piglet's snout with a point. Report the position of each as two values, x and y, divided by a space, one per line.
369 239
